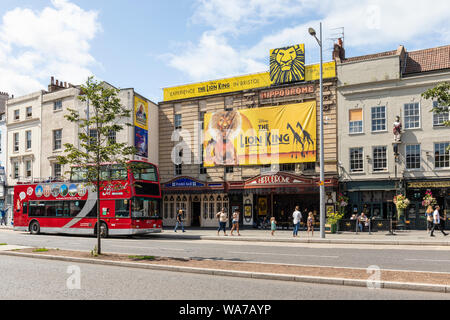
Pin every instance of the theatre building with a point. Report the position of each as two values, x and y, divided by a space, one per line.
248 143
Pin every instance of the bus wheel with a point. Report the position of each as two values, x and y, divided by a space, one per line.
35 227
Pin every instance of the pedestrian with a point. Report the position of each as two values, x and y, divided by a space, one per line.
235 222
310 223
223 218
273 225
297 215
3 217
437 222
179 221
429 216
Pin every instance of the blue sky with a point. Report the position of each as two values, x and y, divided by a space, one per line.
149 45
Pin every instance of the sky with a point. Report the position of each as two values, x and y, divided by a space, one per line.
151 44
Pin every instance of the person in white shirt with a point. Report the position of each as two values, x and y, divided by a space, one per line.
297 215
437 222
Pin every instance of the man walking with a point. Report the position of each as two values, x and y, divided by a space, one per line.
437 222
297 215
179 221
223 218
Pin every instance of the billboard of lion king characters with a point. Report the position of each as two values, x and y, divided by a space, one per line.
256 136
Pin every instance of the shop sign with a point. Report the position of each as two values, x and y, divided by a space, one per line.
286 92
184 183
273 180
429 184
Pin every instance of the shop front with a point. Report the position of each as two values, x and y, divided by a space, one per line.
199 200
277 195
416 191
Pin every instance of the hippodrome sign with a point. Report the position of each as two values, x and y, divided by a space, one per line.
286 92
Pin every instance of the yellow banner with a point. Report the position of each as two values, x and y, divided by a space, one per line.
284 134
252 81
140 113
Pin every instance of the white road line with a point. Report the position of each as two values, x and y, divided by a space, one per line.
284 254
428 260
153 248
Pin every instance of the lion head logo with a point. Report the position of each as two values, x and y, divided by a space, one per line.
287 64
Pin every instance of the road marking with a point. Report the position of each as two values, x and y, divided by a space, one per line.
428 260
285 254
158 248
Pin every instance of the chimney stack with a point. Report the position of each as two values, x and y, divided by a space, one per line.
339 51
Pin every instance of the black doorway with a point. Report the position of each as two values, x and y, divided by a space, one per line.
196 212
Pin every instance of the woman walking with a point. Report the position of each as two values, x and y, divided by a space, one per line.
235 222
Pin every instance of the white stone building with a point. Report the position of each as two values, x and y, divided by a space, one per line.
38 130
373 91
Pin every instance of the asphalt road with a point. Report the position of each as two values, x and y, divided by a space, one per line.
36 279
416 258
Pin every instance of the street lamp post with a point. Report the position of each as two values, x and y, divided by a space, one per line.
312 32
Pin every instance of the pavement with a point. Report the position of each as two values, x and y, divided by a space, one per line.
399 237
417 238
407 237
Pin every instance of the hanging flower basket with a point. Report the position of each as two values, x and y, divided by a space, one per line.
401 202
429 200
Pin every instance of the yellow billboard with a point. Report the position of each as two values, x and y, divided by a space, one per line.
287 64
247 82
140 113
282 134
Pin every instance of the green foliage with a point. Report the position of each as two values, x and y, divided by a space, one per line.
334 217
440 94
40 250
142 257
106 118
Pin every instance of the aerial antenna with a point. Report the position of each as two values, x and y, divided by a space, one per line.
338 33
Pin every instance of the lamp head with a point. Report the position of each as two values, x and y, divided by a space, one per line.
312 32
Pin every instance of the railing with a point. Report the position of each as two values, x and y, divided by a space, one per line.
22 180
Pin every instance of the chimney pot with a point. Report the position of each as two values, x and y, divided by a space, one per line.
52 80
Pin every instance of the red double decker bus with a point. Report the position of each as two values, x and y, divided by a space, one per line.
129 203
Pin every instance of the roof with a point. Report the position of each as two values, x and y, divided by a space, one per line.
428 60
370 56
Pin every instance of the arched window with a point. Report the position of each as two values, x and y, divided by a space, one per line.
205 207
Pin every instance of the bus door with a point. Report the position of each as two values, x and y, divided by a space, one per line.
20 213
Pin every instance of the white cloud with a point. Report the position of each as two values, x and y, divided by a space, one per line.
370 27
35 45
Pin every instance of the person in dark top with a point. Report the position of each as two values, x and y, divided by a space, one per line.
179 221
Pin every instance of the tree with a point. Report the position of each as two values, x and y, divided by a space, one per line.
105 117
440 94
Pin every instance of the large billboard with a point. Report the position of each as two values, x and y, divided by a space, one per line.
287 64
141 127
247 82
257 136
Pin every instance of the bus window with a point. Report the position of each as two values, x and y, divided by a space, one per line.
145 171
78 174
144 208
104 173
122 208
119 172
